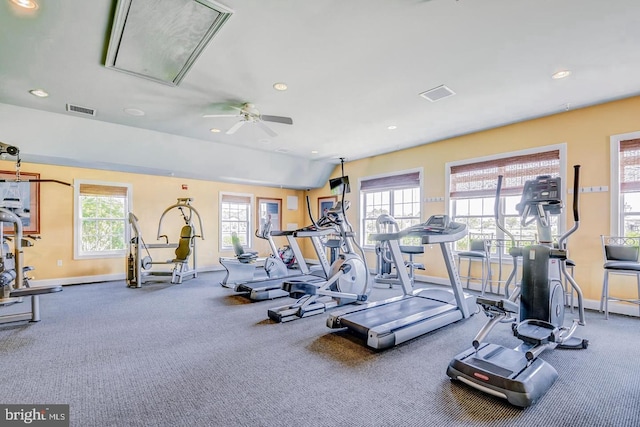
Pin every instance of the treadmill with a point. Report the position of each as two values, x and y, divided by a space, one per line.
390 322
266 289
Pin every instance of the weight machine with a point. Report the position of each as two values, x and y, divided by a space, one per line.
14 282
184 262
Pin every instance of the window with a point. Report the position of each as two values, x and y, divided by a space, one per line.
472 187
395 195
101 214
235 217
625 194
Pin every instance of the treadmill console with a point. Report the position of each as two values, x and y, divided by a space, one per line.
437 223
543 191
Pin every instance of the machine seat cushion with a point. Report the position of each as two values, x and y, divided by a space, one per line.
412 249
622 265
184 246
36 290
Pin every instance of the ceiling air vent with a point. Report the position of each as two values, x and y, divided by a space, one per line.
161 39
81 110
437 93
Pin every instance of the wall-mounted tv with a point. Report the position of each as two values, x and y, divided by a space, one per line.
337 184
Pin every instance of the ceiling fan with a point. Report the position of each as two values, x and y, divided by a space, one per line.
248 113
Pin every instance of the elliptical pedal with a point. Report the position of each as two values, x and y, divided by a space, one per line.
536 332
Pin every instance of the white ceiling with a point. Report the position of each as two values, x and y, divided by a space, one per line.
353 68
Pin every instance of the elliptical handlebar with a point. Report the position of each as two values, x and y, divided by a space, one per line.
576 214
496 212
496 215
576 190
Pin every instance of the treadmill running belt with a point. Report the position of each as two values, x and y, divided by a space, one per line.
395 315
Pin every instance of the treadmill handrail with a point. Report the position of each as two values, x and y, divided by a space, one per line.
455 231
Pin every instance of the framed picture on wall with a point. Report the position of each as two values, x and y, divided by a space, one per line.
23 199
270 210
325 203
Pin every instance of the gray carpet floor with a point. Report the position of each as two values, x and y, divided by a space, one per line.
196 354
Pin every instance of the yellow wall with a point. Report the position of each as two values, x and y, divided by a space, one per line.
586 133
151 196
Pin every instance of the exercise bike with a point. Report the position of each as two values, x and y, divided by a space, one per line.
348 278
519 375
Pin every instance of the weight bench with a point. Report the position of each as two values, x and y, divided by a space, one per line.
16 295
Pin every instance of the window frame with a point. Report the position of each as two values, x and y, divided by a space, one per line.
617 210
562 150
363 206
250 219
78 254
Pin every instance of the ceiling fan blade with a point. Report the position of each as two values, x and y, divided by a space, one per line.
221 115
235 127
277 119
266 129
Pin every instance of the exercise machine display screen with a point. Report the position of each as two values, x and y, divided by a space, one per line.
545 191
437 223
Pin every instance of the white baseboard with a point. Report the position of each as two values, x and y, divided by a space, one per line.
81 280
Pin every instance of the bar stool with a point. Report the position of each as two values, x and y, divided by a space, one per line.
620 257
480 251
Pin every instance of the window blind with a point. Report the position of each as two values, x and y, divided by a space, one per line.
480 179
102 190
405 180
630 165
235 198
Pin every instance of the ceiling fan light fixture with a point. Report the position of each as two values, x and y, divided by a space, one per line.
280 86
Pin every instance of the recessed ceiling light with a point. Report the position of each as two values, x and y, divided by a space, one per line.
214 130
392 127
314 152
39 93
561 74
134 112
27 4
280 86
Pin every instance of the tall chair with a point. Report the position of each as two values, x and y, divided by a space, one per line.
480 251
620 257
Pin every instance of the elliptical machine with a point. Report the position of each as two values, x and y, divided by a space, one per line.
518 375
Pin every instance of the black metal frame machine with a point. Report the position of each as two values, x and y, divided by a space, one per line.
519 375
